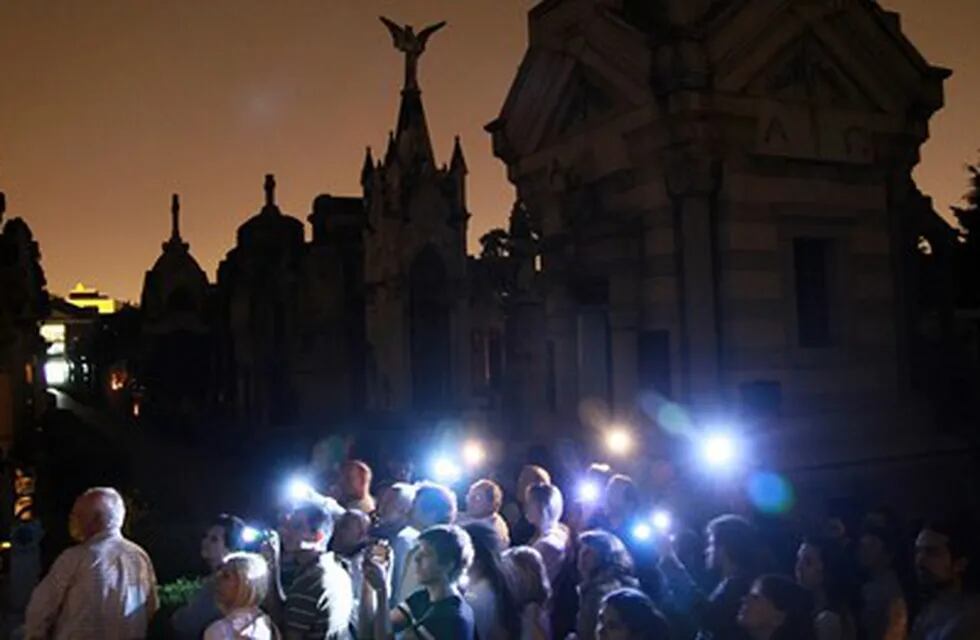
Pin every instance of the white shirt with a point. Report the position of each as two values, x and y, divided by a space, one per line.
241 624
103 588
554 549
483 601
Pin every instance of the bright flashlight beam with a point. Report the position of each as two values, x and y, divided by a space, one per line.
300 490
474 454
661 521
619 441
719 450
445 470
250 535
642 532
588 491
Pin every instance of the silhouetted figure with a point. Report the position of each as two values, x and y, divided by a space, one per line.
412 45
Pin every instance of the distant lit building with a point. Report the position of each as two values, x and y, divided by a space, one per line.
86 298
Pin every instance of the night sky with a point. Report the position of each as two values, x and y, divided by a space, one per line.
109 106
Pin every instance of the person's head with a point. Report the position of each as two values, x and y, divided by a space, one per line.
350 533
543 505
444 554
222 536
778 608
307 528
943 552
628 614
483 499
530 576
487 547
732 545
531 475
97 510
822 569
601 552
242 581
355 479
877 548
395 504
433 504
620 496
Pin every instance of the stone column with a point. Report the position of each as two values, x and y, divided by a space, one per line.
691 183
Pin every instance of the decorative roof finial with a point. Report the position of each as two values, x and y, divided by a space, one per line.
270 190
175 217
412 45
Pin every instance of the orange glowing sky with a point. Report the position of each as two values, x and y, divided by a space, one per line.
109 106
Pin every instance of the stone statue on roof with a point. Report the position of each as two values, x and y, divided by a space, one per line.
412 45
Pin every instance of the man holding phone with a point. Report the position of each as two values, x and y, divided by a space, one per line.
319 601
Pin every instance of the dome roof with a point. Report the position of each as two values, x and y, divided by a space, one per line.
270 228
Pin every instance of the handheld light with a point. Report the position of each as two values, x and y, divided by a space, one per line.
589 491
474 453
642 532
445 470
719 450
299 490
662 520
251 535
619 441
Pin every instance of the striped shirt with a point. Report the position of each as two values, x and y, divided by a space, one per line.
320 601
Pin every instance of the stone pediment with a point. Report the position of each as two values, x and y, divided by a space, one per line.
844 54
561 87
806 72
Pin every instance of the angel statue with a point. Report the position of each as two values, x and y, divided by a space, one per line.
412 45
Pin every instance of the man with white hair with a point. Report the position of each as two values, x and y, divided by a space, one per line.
104 587
394 509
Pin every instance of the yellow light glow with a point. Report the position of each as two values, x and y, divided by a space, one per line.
619 441
473 453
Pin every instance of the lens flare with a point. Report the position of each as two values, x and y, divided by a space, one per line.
300 490
771 493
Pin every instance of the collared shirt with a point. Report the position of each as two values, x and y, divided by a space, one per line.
320 601
447 619
103 588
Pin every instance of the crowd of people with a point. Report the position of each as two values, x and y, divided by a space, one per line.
548 564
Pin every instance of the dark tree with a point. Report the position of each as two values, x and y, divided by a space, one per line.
967 259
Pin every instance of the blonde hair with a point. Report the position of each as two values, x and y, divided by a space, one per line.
529 576
253 580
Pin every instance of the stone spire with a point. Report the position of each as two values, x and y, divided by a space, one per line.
3 205
270 190
175 241
367 171
175 217
412 141
457 164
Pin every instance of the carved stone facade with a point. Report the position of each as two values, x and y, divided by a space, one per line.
371 319
721 193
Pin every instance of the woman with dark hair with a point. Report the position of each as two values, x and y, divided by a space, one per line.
776 608
821 569
488 590
604 565
628 614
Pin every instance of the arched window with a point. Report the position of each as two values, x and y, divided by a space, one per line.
430 331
